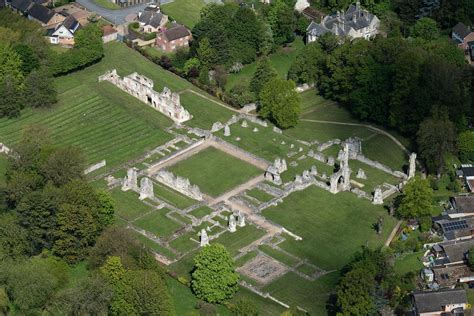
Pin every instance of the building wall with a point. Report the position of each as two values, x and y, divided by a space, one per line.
172 45
109 38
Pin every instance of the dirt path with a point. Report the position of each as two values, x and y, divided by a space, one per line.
378 130
392 234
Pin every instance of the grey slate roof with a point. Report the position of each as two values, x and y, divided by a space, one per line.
40 13
461 30
71 23
21 5
427 302
353 18
152 18
177 31
463 204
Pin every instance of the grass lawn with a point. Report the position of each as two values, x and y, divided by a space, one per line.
281 60
260 195
201 211
315 107
241 238
154 246
171 196
127 204
214 171
204 112
184 242
311 295
333 227
322 132
97 117
245 258
107 4
157 223
409 263
186 12
303 165
374 176
278 255
391 155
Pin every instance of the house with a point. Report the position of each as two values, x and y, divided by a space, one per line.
21 6
79 13
456 228
450 253
313 14
467 173
63 33
126 3
462 35
461 206
171 39
450 276
300 5
44 15
354 23
443 302
109 33
151 20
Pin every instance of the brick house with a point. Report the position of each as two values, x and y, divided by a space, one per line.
44 15
173 38
464 37
109 34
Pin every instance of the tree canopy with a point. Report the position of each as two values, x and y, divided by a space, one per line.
416 200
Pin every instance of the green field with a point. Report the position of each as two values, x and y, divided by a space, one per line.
128 206
171 196
202 118
186 12
201 211
241 238
281 60
157 223
409 263
3 170
260 195
214 171
315 107
278 255
333 227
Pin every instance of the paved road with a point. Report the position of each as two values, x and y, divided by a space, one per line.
114 16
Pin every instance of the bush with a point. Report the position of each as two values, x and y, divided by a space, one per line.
425 223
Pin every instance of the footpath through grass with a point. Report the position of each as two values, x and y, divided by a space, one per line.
214 171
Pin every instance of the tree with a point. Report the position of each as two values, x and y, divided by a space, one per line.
264 72
214 278
29 59
11 67
465 146
39 90
91 296
113 270
106 208
426 29
280 102
63 165
354 293
13 239
436 138
206 54
416 200
308 65
245 308
75 233
12 100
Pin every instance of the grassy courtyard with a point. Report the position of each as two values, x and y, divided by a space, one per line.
186 12
214 171
157 223
107 4
333 227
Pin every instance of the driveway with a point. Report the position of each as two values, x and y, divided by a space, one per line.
115 16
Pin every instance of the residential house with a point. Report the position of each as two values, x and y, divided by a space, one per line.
456 228
126 3
151 20
300 5
313 14
63 33
461 206
467 174
79 13
462 35
443 302
354 23
173 38
44 15
109 33
449 253
21 6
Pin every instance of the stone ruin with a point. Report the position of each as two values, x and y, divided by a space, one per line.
179 184
131 180
217 126
146 189
378 196
204 239
412 166
273 171
240 220
343 174
355 146
4 149
232 223
141 87
361 174
226 130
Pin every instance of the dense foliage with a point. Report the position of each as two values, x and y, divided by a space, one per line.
416 199
214 278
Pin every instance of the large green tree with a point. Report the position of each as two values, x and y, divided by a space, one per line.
214 278
280 102
39 90
416 200
426 29
308 65
465 144
264 72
